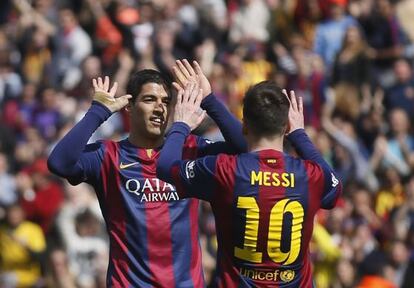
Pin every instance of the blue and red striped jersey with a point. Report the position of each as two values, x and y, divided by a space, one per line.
153 233
264 204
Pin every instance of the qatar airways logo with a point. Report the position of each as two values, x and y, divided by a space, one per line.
152 190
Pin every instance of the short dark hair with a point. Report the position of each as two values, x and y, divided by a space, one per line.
142 77
265 109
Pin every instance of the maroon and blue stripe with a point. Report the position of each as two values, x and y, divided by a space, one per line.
300 193
221 201
116 212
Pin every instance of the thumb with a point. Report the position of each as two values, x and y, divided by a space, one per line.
123 100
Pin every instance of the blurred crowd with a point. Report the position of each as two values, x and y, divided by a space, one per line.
350 60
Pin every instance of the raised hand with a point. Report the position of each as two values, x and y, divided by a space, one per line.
185 73
187 109
296 118
106 96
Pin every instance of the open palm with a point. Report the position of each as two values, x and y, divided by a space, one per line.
187 109
296 119
106 96
185 73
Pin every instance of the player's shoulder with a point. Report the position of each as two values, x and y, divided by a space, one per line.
231 162
226 158
299 163
225 162
105 146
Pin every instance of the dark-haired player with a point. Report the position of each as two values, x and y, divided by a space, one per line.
153 233
264 201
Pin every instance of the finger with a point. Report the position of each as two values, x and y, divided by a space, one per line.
95 84
100 84
287 96
293 100
179 76
194 93
300 104
106 83
199 98
197 68
179 97
187 92
189 67
182 68
177 86
112 92
123 100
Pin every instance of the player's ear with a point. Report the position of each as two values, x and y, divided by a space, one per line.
128 107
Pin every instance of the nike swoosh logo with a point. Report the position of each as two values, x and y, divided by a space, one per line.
124 166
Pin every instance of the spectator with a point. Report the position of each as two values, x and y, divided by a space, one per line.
75 46
81 226
40 197
249 22
37 55
400 260
385 36
58 273
330 33
46 117
376 272
8 193
401 94
350 74
21 244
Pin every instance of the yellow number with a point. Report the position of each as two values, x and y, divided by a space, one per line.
275 231
249 253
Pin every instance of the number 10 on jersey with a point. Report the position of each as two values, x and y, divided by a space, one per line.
249 251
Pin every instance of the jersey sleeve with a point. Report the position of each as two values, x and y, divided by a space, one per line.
319 171
192 178
195 178
89 163
72 158
328 185
229 126
206 147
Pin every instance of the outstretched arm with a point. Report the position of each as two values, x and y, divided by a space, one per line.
296 131
307 151
72 158
191 178
230 127
187 116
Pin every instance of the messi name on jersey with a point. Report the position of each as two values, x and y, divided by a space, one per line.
152 190
267 178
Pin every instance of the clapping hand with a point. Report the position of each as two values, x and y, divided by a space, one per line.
185 73
106 96
296 118
187 109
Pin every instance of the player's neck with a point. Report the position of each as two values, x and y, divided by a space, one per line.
145 142
265 143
